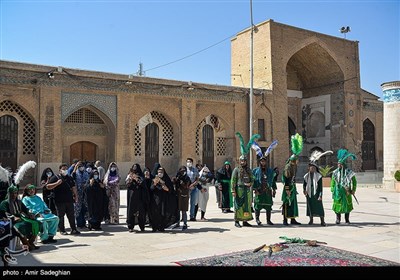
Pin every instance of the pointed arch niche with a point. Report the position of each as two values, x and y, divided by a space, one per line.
88 134
155 140
368 146
211 143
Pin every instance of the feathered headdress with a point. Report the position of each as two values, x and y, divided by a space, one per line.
296 146
258 150
271 148
245 149
316 155
22 170
343 154
4 174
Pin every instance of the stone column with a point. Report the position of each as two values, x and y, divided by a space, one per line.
391 135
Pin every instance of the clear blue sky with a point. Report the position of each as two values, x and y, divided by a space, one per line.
114 36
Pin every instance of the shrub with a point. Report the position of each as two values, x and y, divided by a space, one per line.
397 175
325 171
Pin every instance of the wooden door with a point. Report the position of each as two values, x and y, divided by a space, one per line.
368 146
8 141
151 145
84 151
208 147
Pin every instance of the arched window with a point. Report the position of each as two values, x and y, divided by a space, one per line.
8 141
368 146
151 145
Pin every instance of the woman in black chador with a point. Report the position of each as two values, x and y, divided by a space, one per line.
95 196
138 198
163 212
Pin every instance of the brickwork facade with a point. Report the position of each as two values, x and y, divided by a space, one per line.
300 67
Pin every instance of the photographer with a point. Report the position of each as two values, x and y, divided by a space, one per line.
161 211
65 195
182 182
95 195
138 198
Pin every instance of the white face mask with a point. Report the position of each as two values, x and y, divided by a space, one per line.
189 164
64 172
49 174
160 174
81 168
95 177
113 169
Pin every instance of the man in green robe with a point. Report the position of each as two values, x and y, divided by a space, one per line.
343 186
264 189
241 187
312 189
289 195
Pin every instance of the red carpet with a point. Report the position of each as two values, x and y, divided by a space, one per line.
293 255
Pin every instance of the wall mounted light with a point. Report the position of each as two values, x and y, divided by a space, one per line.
50 75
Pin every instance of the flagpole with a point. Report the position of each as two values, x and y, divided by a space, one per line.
251 82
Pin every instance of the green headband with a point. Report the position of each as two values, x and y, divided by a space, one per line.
12 189
30 187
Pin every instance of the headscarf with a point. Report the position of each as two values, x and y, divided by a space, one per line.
111 173
14 205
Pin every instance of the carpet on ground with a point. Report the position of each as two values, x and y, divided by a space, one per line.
290 255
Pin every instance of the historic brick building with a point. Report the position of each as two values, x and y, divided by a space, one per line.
304 82
310 84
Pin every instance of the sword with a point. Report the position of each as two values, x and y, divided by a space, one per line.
355 198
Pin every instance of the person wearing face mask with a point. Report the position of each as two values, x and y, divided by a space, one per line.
205 178
182 183
65 196
160 210
48 196
81 176
138 198
95 200
111 183
193 174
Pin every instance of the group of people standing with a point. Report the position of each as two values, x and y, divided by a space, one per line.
262 181
88 195
163 201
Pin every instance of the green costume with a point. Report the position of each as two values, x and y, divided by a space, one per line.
343 186
223 179
265 189
289 195
290 208
312 187
243 194
24 226
264 186
241 184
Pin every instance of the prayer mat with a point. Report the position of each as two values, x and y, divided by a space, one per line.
290 255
